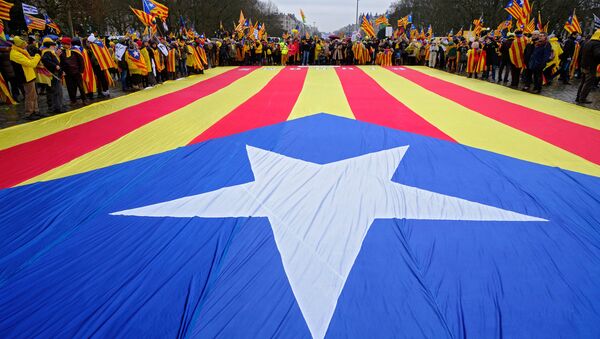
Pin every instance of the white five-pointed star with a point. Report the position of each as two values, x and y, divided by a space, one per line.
320 215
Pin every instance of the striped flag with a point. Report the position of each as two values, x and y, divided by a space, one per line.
478 25
223 206
241 22
105 60
50 23
302 15
517 51
572 25
382 20
516 11
526 9
137 59
155 8
34 23
5 8
530 27
367 27
596 22
147 20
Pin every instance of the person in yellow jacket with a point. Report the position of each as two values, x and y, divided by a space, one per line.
318 48
19 55
284 52
258 52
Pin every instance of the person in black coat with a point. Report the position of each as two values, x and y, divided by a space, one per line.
73 65
527 74
491 60
541 54
566 57
504 61
590 58
50 60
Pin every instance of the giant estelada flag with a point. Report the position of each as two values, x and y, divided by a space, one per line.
418 204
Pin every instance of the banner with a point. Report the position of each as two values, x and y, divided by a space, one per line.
120 51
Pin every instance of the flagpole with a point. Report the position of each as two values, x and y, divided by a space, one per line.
357 15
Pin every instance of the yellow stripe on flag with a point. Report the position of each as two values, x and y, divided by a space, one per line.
560 109
473 129
171 131
322 92
34 130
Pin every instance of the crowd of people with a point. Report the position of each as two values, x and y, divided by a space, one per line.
89 66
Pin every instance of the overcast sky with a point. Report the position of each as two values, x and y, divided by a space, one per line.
331 14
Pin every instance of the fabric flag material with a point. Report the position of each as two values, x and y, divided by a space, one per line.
241 21
381 20
5 8
321 226
530 27
526 9
28 9
34 23
5 92
596 22
138 60
516 11
572 25
478 26
517 50
50 23
156 9
146 19
302 16
105 60
367 27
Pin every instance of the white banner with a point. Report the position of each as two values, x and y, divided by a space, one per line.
389 30
120 51
163 49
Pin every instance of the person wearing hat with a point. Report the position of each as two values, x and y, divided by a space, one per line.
73 65
50 60
590 59
20 56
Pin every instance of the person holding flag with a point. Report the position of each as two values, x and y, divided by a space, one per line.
28 63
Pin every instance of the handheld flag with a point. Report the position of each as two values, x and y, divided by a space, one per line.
146 19
596 22
526 9
34 23
155 8
382 20
367 27
241 22
50 23
572 25
478 25
515 10
302 15
5 8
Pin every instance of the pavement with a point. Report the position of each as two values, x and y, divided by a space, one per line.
11 115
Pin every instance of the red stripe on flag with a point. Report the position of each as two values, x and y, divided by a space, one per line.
572 137
271 105
27 160
371 103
